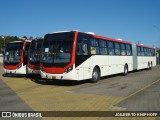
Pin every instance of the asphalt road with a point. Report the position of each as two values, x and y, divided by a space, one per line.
141 90
10 101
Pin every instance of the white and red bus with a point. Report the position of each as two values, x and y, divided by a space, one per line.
145 57
15 57
33 66
79 56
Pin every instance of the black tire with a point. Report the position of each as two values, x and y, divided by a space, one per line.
151 66
148 68
4 75
95 75
125 70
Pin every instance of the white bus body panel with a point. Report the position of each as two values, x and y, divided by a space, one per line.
144 60
21 70
108 65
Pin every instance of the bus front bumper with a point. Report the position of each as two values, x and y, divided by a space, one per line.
19 71
64 76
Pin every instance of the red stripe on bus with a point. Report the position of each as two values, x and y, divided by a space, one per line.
139 45
11 67
33 66
111 39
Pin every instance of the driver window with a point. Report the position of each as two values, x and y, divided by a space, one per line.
82 45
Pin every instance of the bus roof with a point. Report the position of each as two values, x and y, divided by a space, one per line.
15 41
37 39
104 38
111 39
20 41
141 45
59 32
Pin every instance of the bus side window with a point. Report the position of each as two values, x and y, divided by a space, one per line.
94 48
110 48
82 49
142 51
103 47
117 48
147 51
138 51
128 49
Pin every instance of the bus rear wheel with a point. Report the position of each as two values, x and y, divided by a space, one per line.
148 66
151 66
95 75
125 70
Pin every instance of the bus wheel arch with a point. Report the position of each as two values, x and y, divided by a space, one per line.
125 69
96 73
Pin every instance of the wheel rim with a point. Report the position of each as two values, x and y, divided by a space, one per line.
95 75
125 71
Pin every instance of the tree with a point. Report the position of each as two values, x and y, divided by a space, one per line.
24 37
4 40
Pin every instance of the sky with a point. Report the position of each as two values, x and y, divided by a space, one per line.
131 20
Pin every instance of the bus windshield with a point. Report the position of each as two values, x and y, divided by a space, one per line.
13 52
35 51
57 49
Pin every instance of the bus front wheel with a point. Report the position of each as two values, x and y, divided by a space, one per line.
95 75
148 66
125 70
151 66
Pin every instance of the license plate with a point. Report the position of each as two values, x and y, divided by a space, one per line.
53 77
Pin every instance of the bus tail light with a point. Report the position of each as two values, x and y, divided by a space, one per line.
69 69
19 66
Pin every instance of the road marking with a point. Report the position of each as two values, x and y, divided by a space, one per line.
115 107
121 108
142 88
118 108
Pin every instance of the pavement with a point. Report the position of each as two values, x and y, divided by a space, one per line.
10 100
138 91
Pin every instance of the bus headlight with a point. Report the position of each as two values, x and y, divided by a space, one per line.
19 66
69 69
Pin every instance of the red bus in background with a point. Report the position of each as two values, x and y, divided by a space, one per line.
34 56
15 57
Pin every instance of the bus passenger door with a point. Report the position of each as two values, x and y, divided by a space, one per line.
82 56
